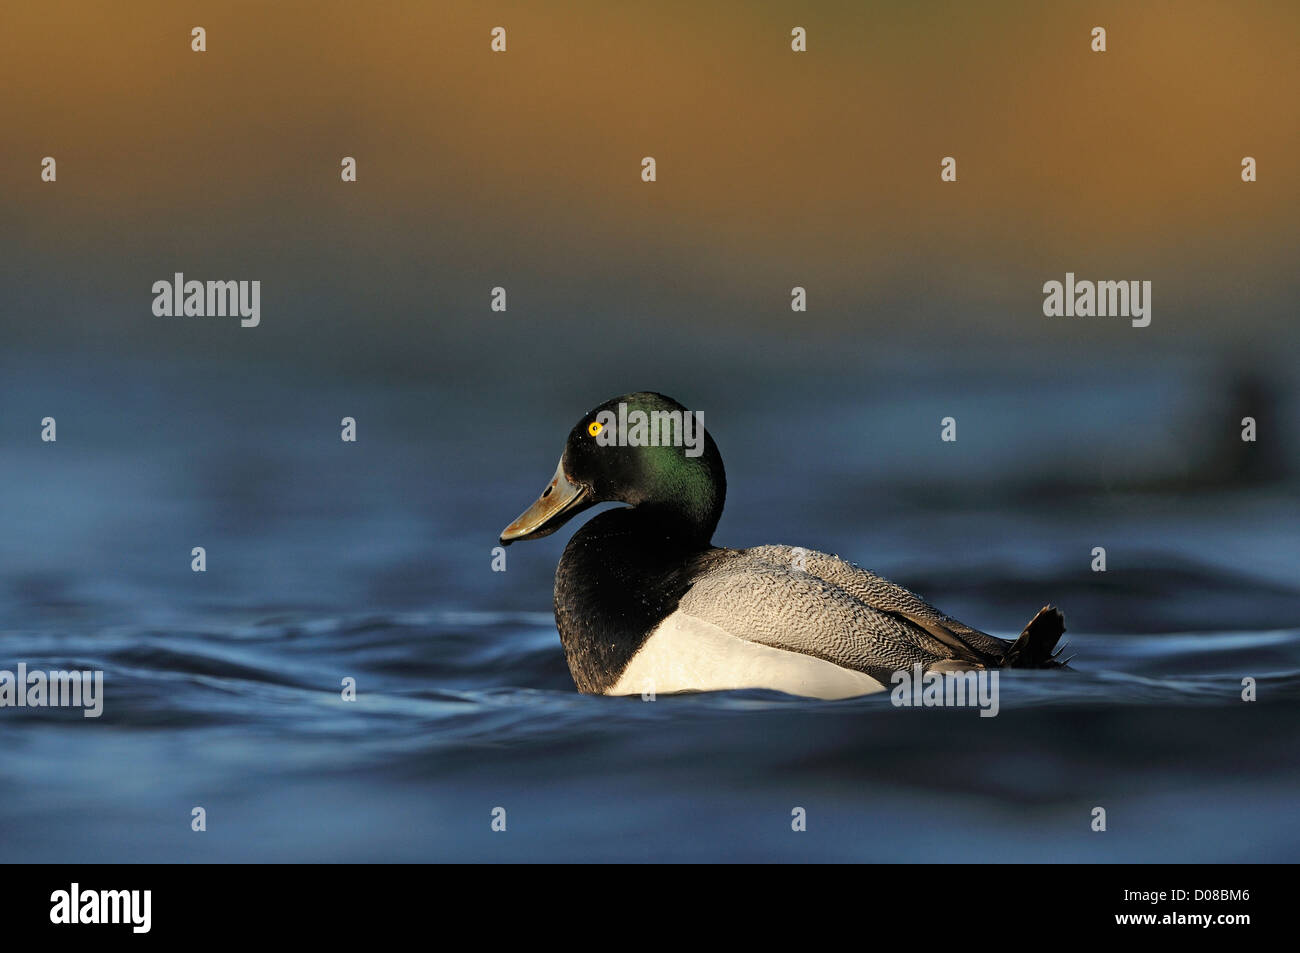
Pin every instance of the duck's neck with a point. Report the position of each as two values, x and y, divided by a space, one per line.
621 574
680 497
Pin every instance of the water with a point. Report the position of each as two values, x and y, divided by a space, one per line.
328 561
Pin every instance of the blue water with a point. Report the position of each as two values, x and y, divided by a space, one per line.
372 561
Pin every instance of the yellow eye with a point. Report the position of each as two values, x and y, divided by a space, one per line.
595 427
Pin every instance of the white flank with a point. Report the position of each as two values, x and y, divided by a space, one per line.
687 654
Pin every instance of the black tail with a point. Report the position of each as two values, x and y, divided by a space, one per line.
1036 647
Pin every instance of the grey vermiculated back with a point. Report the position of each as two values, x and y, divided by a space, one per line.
833 610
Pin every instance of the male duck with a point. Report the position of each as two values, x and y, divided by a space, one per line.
646 603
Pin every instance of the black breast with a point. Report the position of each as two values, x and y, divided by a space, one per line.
620 575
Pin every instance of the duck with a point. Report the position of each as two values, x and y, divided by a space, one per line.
646 604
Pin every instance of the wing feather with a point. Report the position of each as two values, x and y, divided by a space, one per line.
822 606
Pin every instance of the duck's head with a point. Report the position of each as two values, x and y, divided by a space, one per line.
643 449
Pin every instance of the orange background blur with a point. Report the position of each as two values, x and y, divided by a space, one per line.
774 168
